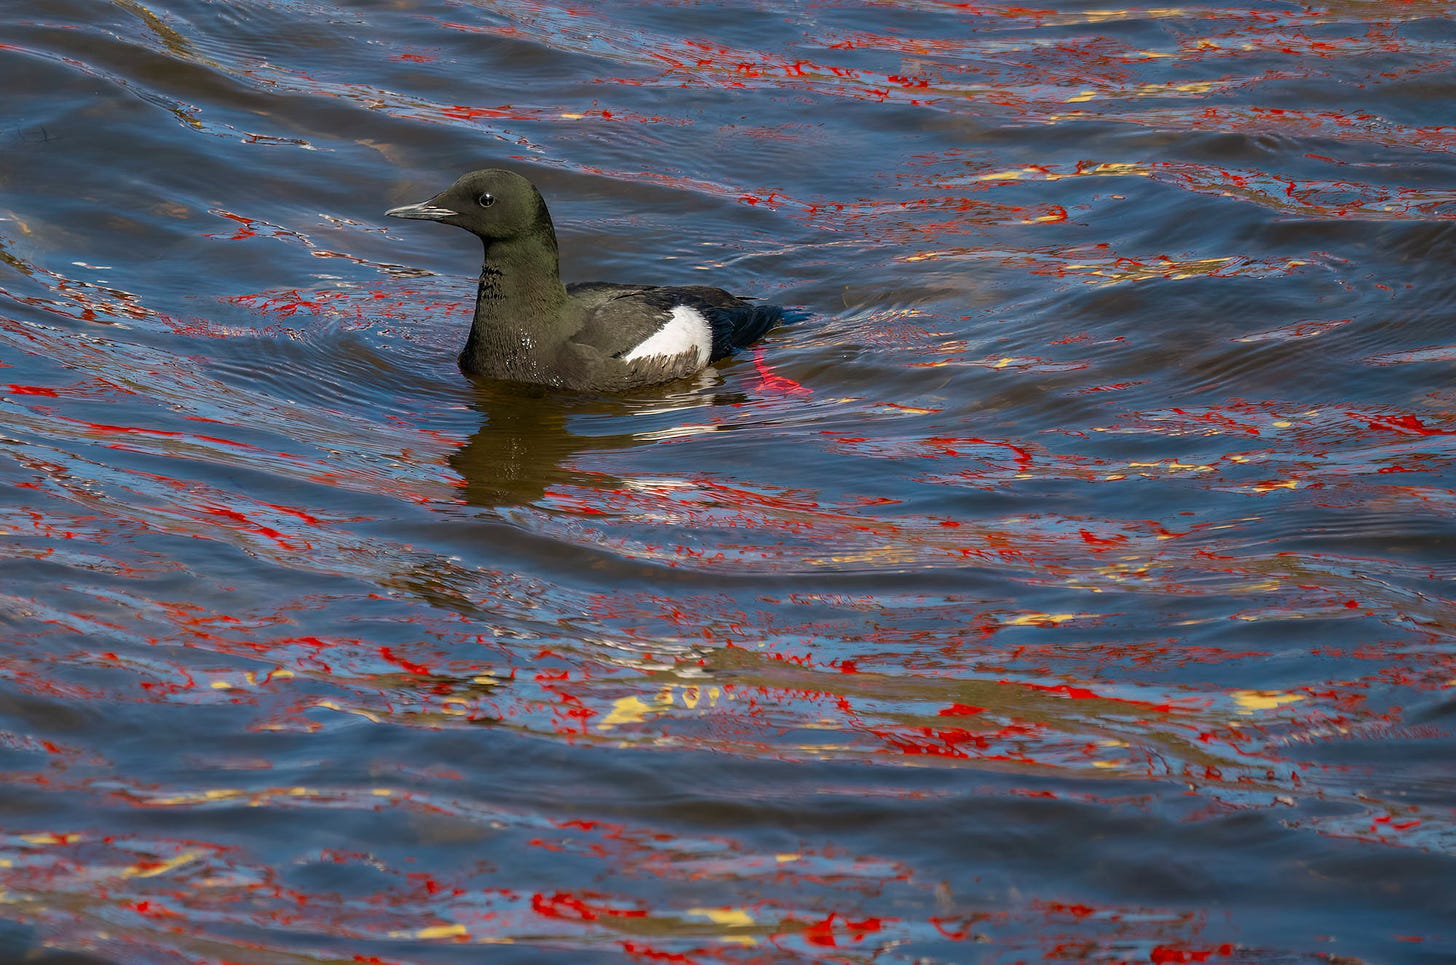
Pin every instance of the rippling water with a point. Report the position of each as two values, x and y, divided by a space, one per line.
1074 583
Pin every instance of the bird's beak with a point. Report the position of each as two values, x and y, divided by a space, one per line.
424 211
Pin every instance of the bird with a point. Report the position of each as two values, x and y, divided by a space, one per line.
587 336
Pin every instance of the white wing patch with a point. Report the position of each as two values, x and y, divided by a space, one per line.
686 330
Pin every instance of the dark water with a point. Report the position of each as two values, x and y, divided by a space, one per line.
1074 585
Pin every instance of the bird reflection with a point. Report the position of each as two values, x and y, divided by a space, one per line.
527 445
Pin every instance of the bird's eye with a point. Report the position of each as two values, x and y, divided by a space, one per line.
485 200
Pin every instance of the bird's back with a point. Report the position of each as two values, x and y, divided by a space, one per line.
632 320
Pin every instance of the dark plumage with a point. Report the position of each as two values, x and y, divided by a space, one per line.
595 336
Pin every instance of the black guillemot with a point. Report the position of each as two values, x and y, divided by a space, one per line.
591 336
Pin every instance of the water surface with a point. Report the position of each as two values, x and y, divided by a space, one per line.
1074 584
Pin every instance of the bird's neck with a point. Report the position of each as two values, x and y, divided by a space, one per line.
519 322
